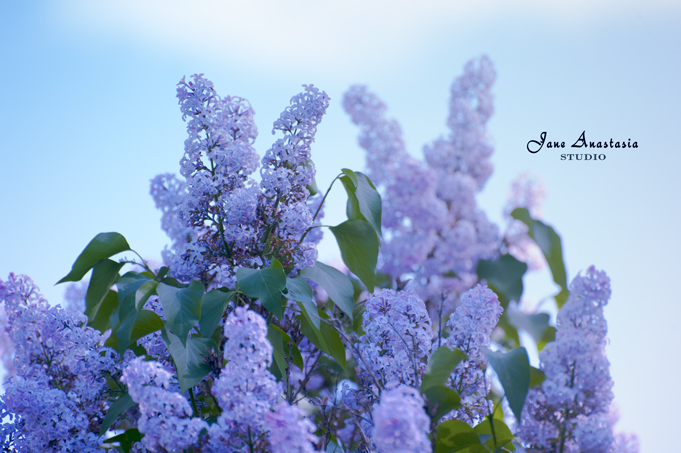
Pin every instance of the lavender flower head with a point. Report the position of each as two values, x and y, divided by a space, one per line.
400 422
397 339
165 415
568 413
57 398
470 327
289 431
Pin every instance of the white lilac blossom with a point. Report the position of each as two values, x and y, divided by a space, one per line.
165 415
470 327
289 431
397 338
400 422
434 230
569 413
57 398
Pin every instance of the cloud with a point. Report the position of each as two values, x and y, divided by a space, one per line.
309 34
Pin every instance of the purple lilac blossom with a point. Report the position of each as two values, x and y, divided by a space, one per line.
470 327
246 390
569 413
400 422
220 218
57 398
289 431
397 338
165 415
434 230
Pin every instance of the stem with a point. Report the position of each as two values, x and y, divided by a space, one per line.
193 400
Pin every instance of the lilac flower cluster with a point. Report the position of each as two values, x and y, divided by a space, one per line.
57 397
397 339
569 413
221 219
165 415
400 422
435 231
470 327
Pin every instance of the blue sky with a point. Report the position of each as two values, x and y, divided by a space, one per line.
89 116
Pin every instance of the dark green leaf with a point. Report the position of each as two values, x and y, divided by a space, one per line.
369 202
147 322
301 291
537 376
326 338
358 244
535 324
548 337
504 276
513 370
456 435
133 291
510 332
336 284
445 398
281 345
264 284
104 245
350 174
104 274
182 307
102 313
190 359
213 305
502 434
550 244
440 367
313 188
119 406
126 439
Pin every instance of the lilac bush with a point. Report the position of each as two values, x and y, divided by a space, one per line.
243 342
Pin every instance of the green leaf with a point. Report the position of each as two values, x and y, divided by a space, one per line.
446 399
350 174
133 291
182 307
369 202
326 338
147 322
104 245
97 308
336 284
213 305
126 439
359 245
504 276
456 435
440 367
502 434
364 201
313 188
264 284
301 291
119 406
281 345
535 324
550 244
537 376
513 371
190 359
548 337
102 313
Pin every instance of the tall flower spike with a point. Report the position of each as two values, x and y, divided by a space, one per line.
470 327
569 413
